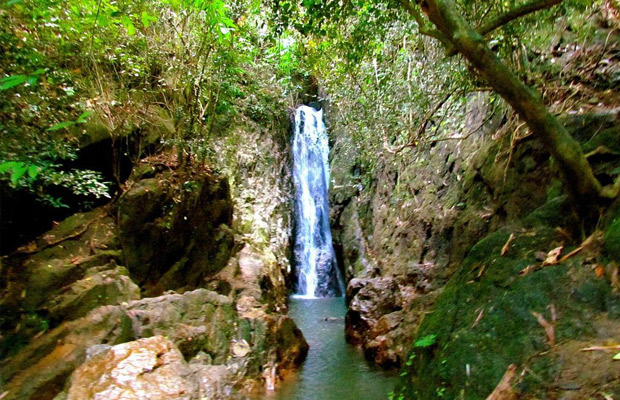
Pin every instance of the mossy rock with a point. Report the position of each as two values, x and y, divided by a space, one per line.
483 319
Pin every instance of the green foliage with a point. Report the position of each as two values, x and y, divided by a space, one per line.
425 341
129 63
81 120
14 80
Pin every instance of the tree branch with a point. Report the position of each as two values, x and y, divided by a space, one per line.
517 12
424 28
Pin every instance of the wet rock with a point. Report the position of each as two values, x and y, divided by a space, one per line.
151 368
278 346
369 301
383 352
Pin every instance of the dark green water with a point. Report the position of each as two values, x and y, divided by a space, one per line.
334 369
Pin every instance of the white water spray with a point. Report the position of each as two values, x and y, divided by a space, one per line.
315 261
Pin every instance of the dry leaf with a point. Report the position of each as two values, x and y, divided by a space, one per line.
549 329
553 256
583 245
599 270
480 314
540 255
528 269
505 248
503 390
602 348
554 314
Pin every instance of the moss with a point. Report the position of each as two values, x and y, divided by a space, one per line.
483 319
612 240
555 212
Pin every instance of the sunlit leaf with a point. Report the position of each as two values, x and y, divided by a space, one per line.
147 18
129 26
61 125
7 166
33 171
82 118
12 81
17 172
426 341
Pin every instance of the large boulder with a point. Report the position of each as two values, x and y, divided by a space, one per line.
369 300
101 285
61 276
195 321
145 369
175 234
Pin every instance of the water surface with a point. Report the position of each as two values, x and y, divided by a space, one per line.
334 370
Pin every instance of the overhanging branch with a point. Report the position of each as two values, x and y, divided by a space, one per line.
515 13
424 27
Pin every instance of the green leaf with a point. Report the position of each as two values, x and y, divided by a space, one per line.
147 18
11 81
7 166
82 118
426 341
617 357
61 125
129 26
18 171
13 2
33 171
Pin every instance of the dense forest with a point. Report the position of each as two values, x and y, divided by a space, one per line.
150 197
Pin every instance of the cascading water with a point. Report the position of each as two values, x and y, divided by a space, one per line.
315 261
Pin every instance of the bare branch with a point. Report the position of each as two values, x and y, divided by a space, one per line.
517 12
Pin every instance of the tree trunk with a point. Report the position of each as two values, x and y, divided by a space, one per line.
575 170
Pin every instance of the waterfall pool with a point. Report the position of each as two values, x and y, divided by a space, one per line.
334 370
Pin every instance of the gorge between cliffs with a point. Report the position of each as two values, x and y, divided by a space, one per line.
312 200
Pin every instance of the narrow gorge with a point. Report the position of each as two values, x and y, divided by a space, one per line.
312 200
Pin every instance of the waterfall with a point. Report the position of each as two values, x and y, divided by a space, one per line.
315 262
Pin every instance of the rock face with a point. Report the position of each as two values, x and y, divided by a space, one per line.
461 226
146 369
167 248
373 319
39 370
196 321
212 282
201 325
112 285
